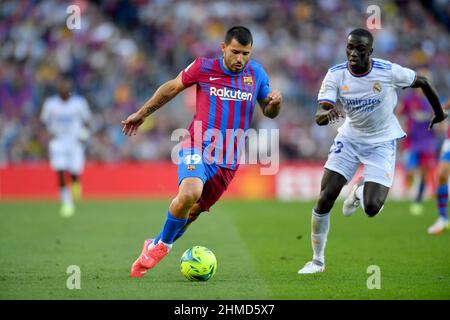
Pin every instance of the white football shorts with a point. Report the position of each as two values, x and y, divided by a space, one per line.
378 159
445 151
66 155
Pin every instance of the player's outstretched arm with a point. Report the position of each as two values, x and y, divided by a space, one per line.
271 105
430 92
164 94
327 113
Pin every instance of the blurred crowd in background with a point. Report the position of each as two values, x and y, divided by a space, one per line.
126 49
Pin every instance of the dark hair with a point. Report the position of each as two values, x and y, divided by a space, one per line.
241 34
362 33
64 77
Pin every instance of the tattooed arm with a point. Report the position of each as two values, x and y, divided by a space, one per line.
163 95
272 104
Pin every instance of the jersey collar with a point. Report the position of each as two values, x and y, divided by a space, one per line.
362 74
226 71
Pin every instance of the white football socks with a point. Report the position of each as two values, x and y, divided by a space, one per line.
320 224
66 196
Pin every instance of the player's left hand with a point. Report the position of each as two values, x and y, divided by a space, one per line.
274 97
437 119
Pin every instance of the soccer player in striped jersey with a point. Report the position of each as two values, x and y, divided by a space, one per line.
366 87
442 222
420 145
227 91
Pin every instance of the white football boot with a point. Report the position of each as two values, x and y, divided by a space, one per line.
439 226
352 202
312 267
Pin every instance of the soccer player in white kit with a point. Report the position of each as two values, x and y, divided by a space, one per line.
65 117
366 88
442 223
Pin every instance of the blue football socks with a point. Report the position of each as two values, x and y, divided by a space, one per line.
442 200
180 233
171 229
421 190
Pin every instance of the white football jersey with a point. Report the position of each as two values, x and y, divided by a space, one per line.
65 119
368 99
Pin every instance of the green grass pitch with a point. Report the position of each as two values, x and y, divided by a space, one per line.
259 246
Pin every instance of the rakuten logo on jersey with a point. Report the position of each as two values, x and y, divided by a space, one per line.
229 94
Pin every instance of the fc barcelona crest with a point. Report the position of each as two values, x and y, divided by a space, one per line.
248 81
191 167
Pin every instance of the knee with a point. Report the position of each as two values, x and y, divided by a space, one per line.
188 198
323 206
372 208
326 201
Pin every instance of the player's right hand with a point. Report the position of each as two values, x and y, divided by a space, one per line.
438 118
132 123
327 114
334 115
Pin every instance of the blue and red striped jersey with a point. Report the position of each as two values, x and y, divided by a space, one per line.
225 102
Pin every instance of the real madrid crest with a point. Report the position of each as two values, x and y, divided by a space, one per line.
376 87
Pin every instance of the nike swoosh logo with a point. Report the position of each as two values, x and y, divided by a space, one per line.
212 79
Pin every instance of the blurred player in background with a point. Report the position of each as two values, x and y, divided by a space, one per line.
66 117
442 222
227 91
365 87
420 145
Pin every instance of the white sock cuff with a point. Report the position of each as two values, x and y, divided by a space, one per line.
320 223
169 246
359 192
66 195
318 215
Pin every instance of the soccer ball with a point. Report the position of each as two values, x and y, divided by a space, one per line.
198 264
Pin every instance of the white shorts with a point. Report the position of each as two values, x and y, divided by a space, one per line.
445 151
345 156
66 155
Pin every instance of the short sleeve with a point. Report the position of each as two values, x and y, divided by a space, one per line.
264 87
45 112
190 74
402 77
85 111
328 90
